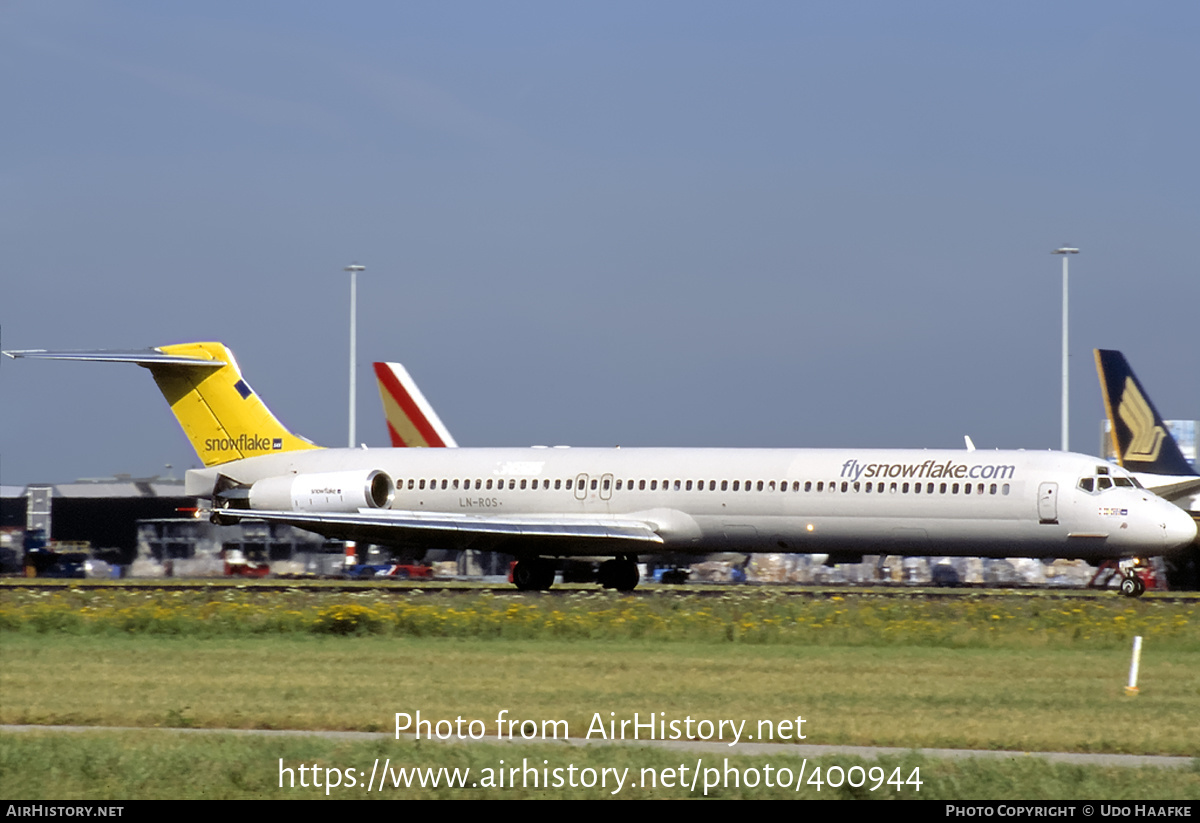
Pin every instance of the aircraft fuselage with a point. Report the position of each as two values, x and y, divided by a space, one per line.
698 501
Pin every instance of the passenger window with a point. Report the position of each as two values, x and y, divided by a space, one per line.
904 488
689 485
653 485
808 485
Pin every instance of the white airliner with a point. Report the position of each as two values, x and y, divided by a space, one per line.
539 504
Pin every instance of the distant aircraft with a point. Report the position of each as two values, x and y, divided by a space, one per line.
1145 447
539 504
411 420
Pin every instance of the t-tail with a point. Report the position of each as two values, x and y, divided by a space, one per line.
1141 440
220 414
411 421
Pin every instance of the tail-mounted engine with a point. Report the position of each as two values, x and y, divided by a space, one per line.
346 491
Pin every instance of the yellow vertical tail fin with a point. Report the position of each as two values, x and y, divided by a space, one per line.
221 415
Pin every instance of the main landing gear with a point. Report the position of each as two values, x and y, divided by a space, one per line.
620 574
533 574
537 574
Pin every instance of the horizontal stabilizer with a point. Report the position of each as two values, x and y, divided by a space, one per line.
142 357
223 418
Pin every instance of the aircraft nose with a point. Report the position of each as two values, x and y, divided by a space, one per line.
1179 529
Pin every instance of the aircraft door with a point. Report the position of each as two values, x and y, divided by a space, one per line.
606 485
1048 503
581 487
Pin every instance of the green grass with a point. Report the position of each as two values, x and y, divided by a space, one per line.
1030 672
148 765
1037 700
742 616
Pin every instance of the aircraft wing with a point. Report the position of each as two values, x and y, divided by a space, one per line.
1169 487
439 530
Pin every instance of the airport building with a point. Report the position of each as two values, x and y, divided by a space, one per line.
147 527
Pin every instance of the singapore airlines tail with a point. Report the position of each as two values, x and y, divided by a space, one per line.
1140 438
220 414
411 421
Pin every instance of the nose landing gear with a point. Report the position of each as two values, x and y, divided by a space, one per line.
1132 584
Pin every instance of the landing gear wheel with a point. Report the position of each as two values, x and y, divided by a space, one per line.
1132 586
535 574
620 574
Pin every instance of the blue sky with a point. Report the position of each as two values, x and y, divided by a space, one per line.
668 223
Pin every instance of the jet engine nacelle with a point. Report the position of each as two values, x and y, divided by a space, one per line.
324 492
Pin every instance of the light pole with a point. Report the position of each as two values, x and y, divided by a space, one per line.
1065 251
354 269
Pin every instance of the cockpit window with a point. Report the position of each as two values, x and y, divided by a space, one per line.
1087 484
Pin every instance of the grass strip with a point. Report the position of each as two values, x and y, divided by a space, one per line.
145 765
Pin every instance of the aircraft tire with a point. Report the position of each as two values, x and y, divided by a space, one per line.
545 574
525 575
628 577
534 574
1129 586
